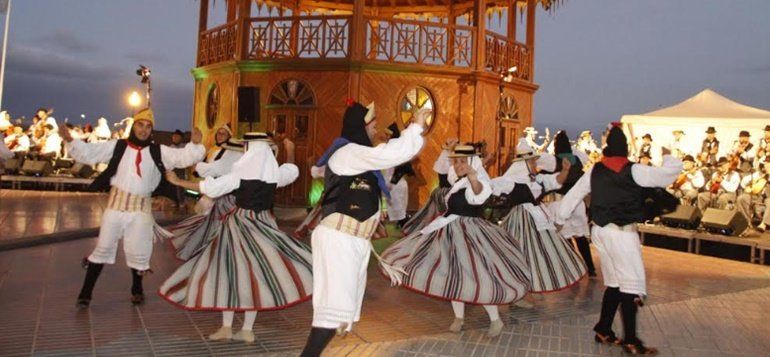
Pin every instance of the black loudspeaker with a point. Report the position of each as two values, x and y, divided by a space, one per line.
12 166
248 104
37 168
720 221
63 163
82 171
686 217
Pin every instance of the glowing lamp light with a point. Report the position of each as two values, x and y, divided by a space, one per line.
134 99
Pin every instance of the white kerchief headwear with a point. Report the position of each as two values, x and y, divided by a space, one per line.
476 165
258 163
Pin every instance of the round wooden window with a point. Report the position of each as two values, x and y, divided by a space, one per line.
413 100
212 106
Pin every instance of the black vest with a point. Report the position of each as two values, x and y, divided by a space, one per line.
575 173
457 204
519 195
443 180
615 197
102 182
355 196
255 195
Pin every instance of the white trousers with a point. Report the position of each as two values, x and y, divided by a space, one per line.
339 277
399 199
135 228
620 252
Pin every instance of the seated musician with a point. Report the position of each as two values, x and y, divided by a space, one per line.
755 191
689 183
743 151
722 187
18 142
762 148
51 145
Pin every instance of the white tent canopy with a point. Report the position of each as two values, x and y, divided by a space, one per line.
694 116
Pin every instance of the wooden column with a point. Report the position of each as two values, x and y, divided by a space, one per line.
294 39
232 9
531 10
450 37
244 28
512 20
203 20
357 48
480 22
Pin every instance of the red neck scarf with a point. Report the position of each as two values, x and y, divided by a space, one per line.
615 163
138 157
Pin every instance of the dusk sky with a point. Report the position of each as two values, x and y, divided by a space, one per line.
595 59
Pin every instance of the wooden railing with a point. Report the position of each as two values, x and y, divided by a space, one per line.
502 53
218 44
418 42
299 37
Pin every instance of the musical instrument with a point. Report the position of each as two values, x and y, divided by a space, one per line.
683 178
716 183
757 185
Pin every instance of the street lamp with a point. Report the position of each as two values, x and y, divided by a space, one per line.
134 99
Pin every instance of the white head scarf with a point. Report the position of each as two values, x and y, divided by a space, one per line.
258 163
475 164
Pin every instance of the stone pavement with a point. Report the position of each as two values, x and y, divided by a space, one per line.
698 306
27 213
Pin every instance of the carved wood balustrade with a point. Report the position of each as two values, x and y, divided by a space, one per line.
502 54
218 44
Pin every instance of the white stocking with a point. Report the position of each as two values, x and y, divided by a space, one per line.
494 315
459 309
227 318
248 320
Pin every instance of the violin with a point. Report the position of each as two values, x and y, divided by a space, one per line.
716 183
757 185
683 178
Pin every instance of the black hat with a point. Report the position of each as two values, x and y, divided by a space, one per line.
711 130
722 160
688 158
561 143
354 124
393 131
617 144
178 132
767 127
647 136
744 134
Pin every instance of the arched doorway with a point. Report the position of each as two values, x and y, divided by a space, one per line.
508 114
291 109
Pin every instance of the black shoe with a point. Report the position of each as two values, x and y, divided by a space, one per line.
609 339
137 299
83 303
638 348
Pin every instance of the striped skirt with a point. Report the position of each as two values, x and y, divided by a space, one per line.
192 234
435 207
552 260
469 260
249 265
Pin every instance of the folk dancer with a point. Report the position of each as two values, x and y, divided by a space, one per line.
755 190
709 148
192 234
689 182
436 204
531 136
616 187
460 256
350 214
722 187
250 265
399 188
553 262
576 228
135 170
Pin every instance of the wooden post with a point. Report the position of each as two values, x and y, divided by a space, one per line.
357 31
479 21
450 37
244 27
531 10
232 9
203 20
512 20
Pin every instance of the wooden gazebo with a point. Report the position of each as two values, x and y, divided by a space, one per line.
292 73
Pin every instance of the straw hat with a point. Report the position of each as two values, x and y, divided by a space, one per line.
256 136
463 151
524 151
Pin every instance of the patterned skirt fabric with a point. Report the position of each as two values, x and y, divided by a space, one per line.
552 260
469 260
249 265
435 207
192 234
